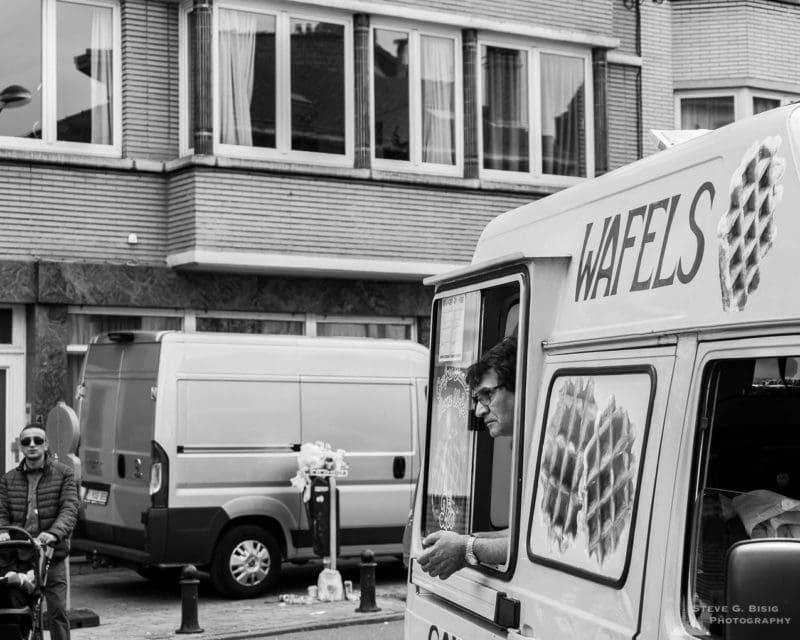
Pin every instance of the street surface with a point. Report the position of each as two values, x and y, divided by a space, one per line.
133 608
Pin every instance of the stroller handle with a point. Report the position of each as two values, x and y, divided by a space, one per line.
48 548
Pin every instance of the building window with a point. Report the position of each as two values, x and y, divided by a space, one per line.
283 84
241 324
66 55
416 83
707 113
6 326
84 324
761 104
534 113
710 110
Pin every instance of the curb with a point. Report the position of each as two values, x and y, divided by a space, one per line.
298 628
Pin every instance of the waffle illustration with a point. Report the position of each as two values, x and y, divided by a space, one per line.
609 486
747 230
568 432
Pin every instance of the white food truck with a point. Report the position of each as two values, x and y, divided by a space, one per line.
651 488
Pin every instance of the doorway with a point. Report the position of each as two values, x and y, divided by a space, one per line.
12 382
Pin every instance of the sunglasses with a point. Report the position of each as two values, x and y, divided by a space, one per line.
26 442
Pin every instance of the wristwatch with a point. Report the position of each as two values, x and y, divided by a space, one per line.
469 552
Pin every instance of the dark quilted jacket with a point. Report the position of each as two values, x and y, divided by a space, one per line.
56 495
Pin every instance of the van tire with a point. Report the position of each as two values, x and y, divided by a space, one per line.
246 563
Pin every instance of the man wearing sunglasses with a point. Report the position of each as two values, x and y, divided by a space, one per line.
40 496
493 381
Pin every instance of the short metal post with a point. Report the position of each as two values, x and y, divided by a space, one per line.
189 584
368 564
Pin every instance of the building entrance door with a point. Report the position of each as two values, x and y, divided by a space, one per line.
12 382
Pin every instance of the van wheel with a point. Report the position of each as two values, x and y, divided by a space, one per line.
246 563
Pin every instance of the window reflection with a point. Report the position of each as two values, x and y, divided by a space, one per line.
84 58
505 109
390 61
317 81
563 107
21 63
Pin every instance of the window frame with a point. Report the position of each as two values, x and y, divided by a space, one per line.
415 32
49 72
742 99
512 274
283 14
593 370
533 50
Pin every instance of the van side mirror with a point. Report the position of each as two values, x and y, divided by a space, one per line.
762 590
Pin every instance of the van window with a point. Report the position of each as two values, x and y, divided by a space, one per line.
469 483
589 469
747 473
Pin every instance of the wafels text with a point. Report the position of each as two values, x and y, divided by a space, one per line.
604 259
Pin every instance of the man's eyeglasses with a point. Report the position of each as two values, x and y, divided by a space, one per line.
26 442
484 395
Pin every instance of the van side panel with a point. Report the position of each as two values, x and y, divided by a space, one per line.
371 420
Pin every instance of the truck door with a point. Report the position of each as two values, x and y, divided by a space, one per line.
471 480
589 496
117 419
736 477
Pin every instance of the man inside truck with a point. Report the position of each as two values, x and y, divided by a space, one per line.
492 380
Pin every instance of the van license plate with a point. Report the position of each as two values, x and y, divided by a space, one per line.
96 496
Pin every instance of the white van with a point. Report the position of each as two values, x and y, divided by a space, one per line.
653 484
188 442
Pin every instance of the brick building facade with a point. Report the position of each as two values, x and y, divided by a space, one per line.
180 166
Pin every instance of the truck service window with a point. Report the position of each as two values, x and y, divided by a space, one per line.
747 482
469 479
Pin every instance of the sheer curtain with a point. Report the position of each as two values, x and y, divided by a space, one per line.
102 86
237 51
706 113
505 109
563 135
438 97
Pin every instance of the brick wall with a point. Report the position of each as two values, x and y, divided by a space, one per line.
585 15
657 89
68 213
237 211
755 39
150 79
623 116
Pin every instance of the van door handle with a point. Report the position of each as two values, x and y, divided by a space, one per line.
399 467
121 466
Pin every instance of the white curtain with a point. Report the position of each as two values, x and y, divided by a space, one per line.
237 53
102 77
563 140
438 108
505 109
706 113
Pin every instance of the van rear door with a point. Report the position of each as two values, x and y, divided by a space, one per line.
116 421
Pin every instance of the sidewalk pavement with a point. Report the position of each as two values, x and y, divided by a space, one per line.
132 608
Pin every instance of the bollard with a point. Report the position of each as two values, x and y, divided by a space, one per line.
368 564
189 584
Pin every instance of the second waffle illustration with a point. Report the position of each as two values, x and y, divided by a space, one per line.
590 462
